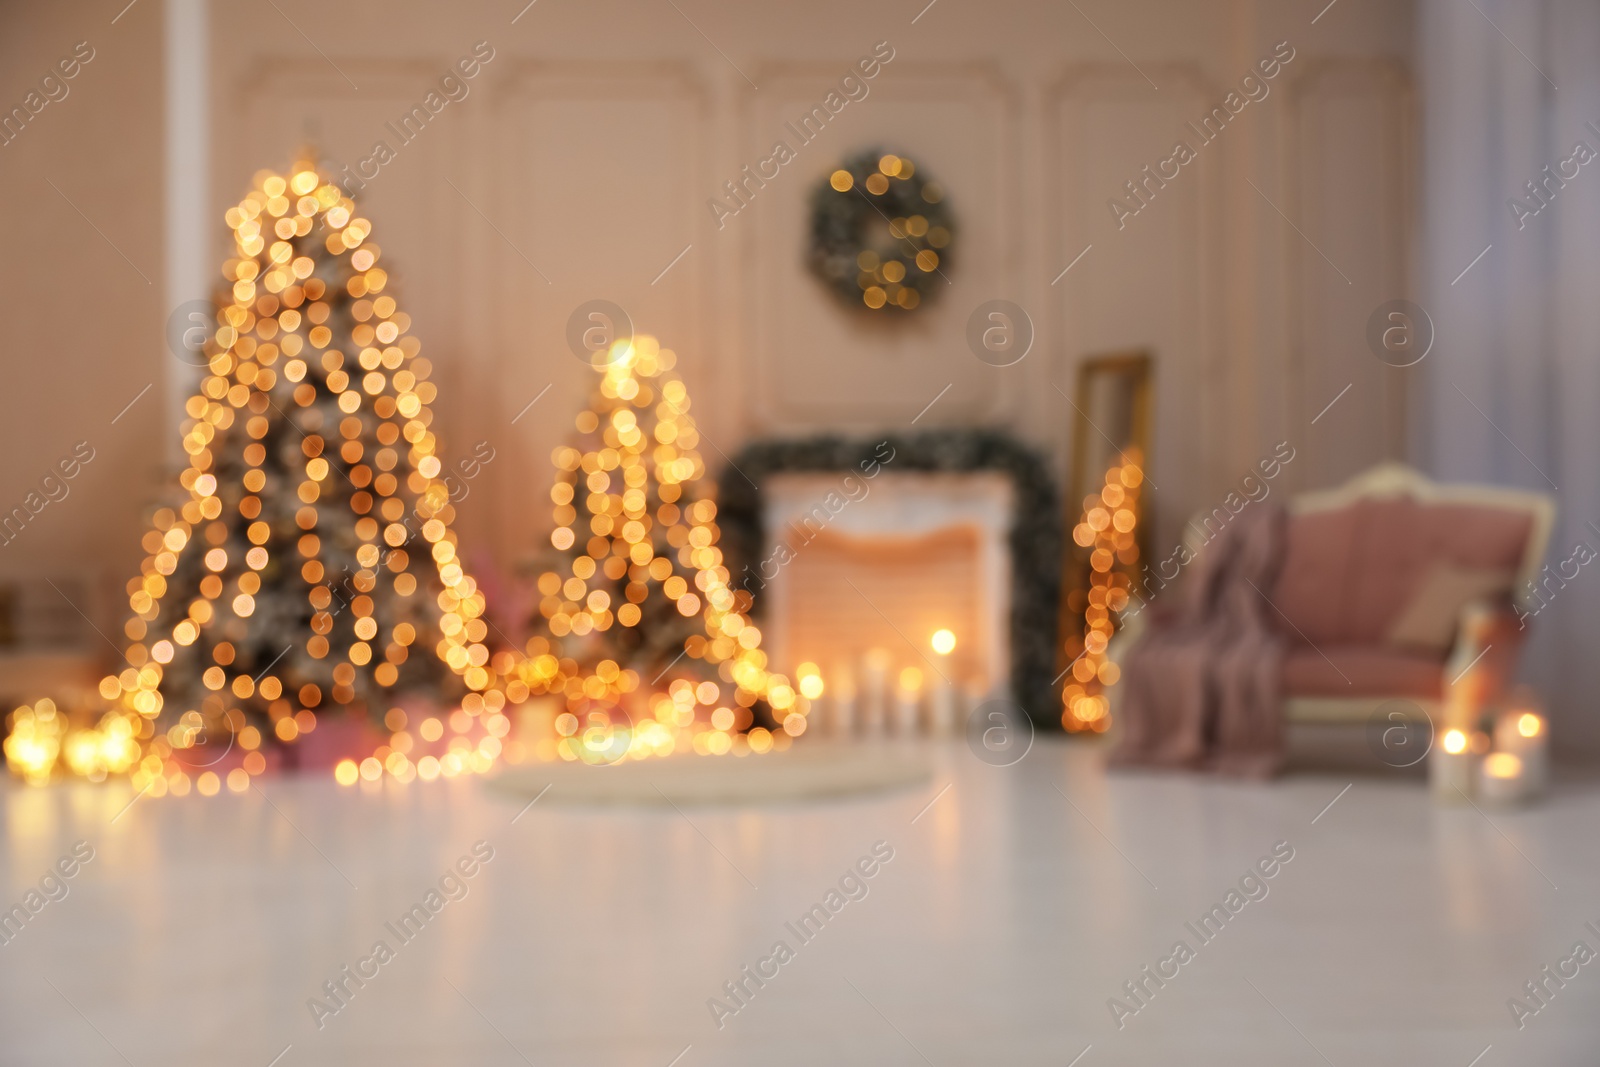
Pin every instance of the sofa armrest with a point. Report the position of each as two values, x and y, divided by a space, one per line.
1483 660
1126 637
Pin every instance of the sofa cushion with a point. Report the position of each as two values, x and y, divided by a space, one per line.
1361 671
1428 622
1349 573
1314 578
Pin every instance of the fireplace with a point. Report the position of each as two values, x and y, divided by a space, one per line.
870 576
896 563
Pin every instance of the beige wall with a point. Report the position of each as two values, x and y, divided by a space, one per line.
591 144
80 284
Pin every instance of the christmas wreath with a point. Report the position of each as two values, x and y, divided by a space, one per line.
880 232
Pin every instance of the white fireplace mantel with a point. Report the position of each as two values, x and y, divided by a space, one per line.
894 507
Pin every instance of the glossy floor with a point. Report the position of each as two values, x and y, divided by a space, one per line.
1017 903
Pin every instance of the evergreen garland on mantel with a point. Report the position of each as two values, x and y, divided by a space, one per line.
1036 537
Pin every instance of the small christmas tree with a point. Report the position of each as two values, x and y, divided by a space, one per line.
312 552
649 645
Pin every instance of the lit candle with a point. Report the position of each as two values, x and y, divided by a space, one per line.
1525 734
974 691
1464 703
1450 768
842 708
809 681
908 703
942 698
874 692
1501 779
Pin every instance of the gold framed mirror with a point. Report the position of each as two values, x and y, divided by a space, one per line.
1106 523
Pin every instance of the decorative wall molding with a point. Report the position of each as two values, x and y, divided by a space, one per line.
767 349
1358 113
960 122
562 145
1155 283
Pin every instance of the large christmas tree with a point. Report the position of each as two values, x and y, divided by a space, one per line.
648 643
309 565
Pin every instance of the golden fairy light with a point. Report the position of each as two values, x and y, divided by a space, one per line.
643 567
312 550
33 742
1106 534
882 275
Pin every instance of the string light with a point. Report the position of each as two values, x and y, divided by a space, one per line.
643 558
310 455
1107 534
311 367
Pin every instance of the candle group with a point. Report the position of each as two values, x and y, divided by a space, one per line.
874 699
1510 767
1523 734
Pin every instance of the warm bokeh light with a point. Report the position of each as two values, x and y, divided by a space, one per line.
893 275
639 536
1529 724
1502 765
309 356
1455 742
34 741
944 642
312 357
1107 533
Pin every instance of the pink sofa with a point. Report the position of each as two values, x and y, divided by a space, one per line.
1353 568
1395 587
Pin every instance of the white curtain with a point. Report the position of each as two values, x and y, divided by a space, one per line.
1511 391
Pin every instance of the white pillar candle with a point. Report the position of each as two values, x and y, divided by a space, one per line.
942 708
1450 768
842 711
1464 701
813 690
874 707
974 691
908 703
1526 735
1501 779
942 691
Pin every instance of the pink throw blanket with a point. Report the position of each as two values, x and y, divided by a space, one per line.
1201 687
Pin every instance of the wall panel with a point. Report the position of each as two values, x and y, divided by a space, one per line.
1349 193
